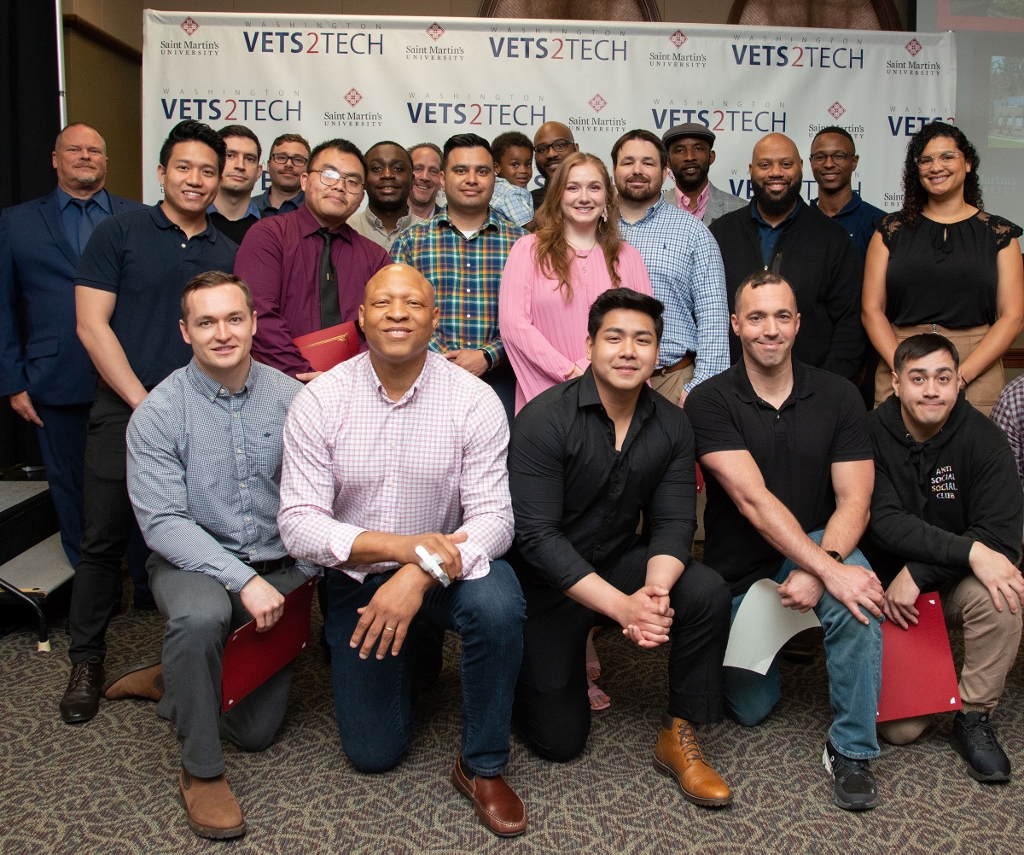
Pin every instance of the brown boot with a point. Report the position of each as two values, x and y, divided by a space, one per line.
677 755
136 681
210 806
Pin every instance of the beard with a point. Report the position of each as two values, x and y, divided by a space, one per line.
775 206
637 195
688 184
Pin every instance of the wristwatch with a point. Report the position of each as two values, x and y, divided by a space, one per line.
833 554
490 361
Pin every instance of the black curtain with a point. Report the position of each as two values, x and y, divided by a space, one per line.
30 113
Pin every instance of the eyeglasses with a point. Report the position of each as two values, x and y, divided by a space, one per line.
558 145
330 177
297 159
838 157
947 158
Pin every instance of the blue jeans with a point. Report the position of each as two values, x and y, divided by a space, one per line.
853 654
374 701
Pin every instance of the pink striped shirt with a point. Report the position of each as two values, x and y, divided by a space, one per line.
434 461
543 336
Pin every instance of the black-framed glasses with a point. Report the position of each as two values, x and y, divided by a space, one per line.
558 145
330 177
838 157
947 158
281 159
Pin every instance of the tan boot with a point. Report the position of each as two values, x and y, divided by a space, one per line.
677 755
210 806
136 681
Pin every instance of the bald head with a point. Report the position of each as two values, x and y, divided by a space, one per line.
401 275
775 144
776 177
398 316
550 137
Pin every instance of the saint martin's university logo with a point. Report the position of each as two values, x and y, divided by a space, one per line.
836 110
598 103
189 25
678 38
435 31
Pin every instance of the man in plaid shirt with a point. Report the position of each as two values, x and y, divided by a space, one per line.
462 252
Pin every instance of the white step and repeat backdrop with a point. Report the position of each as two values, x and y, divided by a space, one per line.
423 79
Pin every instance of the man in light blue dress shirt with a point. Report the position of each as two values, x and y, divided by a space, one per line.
204 468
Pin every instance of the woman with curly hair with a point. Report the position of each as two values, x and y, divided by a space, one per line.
551 277
943 265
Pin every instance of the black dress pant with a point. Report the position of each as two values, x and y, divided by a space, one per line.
552 705
109 520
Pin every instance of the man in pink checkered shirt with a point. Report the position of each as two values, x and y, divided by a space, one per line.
394 449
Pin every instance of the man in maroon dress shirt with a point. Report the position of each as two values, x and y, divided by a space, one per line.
307 268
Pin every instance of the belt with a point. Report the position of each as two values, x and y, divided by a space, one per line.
685 362
265 567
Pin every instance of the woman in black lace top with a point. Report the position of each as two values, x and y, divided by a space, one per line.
944 265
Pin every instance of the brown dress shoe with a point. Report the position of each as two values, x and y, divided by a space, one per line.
136 681
677 755
210 806
81 699
496 803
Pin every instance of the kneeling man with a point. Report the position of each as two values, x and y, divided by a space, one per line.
587 457
204 462
786 455
946 516
395 455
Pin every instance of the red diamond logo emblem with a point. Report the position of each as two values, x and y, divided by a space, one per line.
837 110
677 38
914 47
353 97
435 31
598 103
189 25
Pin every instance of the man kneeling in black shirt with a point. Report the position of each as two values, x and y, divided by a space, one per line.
585 459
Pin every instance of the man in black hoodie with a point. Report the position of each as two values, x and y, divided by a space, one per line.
946 516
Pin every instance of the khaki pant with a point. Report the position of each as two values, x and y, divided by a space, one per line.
982 391
671 385
991 639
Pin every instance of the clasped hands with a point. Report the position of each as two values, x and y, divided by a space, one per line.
855 587
646 616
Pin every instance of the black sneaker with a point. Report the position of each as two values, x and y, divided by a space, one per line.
974 739
855 787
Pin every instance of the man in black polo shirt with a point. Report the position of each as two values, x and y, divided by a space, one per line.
127 297
585 459
787 458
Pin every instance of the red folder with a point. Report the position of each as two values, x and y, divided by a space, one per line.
326 348
251 658
918 677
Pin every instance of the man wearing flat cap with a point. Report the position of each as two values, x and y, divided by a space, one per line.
690 155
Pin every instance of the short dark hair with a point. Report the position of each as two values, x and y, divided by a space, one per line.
643 136
510 139
835 129
342 146
624 298
295 138
756 280
189 131
922 345
229 131
401 148
463 141
432 146
211 279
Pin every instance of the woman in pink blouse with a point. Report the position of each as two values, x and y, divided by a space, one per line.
552 277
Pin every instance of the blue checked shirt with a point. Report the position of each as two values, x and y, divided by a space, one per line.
685 266
514 203
204 471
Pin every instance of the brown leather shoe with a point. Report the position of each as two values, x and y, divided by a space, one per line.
496 803
81 699
135 681
677 755
210 806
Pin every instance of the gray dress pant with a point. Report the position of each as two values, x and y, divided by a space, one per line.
200 615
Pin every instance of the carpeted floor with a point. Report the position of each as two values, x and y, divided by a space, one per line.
109 786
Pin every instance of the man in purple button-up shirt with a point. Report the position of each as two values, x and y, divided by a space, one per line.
280 258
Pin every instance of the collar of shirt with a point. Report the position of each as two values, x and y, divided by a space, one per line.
100 197
490 224
589 397
417 384
755 214
702 201
210 388
163 222
378 224
802 387
310 226
646 219
253 211
848 208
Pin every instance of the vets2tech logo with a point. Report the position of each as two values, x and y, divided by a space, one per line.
188 46
557 43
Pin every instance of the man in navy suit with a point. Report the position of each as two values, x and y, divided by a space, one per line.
43 366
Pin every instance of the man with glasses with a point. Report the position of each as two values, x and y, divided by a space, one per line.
288 158
833 162
234 212
307 269
552 144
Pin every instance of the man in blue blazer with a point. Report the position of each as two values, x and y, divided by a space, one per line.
43 366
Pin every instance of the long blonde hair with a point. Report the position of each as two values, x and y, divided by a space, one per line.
552 247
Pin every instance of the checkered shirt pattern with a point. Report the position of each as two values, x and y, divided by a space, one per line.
433 461
466 273
687 275
513 202
203 471
1008 413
